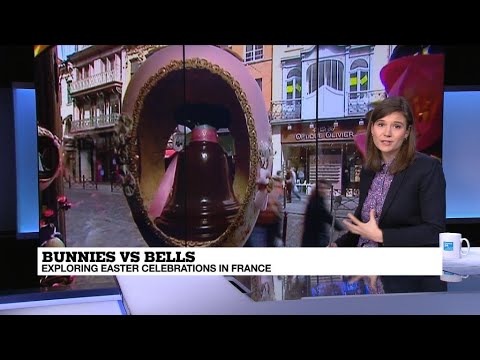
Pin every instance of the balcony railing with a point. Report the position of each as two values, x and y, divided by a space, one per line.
359 102
96 122
96 80
356 103
286 110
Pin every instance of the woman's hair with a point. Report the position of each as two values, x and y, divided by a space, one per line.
406 153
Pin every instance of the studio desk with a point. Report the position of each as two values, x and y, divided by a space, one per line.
459 293
456 292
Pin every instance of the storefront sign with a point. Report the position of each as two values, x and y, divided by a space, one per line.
328 135
300 133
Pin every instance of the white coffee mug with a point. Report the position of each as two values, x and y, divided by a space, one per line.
451 245
451 277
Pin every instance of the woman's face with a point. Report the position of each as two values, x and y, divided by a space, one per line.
389 133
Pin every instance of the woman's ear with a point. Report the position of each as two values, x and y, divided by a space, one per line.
407 134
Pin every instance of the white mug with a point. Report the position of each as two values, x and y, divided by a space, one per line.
451 245
451 277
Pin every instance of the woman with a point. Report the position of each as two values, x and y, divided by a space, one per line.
402 192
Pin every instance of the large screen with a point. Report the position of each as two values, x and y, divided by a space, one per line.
26 160
461 163
179 145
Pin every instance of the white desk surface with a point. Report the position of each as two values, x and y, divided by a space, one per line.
93 305
468 265
214 295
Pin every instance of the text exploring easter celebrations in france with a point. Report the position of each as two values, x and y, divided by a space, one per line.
237 261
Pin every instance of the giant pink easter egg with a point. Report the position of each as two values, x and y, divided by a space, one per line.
170 77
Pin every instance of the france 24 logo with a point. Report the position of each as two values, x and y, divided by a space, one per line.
448 246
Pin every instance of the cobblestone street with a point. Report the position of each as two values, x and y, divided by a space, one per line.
102 218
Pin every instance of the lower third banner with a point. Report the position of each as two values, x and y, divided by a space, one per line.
239 261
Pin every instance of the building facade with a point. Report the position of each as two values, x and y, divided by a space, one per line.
66 112
91 82
258 60
324 93
310 92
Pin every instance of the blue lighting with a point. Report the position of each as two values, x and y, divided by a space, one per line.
26 154
461 153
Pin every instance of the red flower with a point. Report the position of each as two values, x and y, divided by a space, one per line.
62 199
63 203
48 213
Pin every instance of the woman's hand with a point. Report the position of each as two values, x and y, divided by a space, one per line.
368 230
